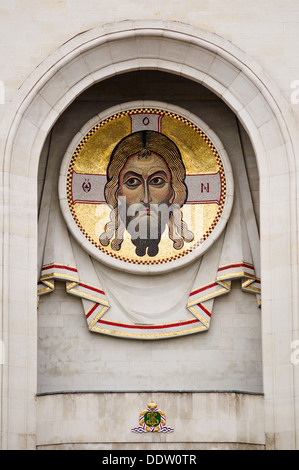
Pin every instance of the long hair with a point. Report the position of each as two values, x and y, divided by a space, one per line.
143 143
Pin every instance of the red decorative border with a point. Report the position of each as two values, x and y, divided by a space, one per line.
214 284
146 327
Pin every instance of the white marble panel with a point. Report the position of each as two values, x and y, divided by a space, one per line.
278 161
259 110
54 89
204 417
39 108
123 50
148 48
149 64
223 71
231 100
74 71
173 50
129 65
192 73
280 191
101 74
214 85
243 89
199 59
271 134
97 57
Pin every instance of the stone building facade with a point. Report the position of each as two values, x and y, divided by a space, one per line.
67 65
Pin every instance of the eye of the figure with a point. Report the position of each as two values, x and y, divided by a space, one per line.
158 180
133 182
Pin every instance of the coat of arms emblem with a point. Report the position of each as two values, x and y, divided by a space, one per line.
152 420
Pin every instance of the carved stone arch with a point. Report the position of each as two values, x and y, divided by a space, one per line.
203 57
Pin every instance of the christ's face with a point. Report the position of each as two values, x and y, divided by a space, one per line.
145 192
145 183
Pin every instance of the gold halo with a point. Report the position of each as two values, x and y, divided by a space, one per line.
199 156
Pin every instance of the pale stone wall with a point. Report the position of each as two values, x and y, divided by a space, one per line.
267 32
199 421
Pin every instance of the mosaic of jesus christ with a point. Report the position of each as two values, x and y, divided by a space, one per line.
146 190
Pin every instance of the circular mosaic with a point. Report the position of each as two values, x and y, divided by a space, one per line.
146 189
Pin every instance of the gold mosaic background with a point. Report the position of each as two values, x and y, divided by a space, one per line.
199 156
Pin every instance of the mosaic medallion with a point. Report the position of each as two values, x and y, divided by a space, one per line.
146 190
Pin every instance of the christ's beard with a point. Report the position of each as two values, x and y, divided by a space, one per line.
152 247
146 229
